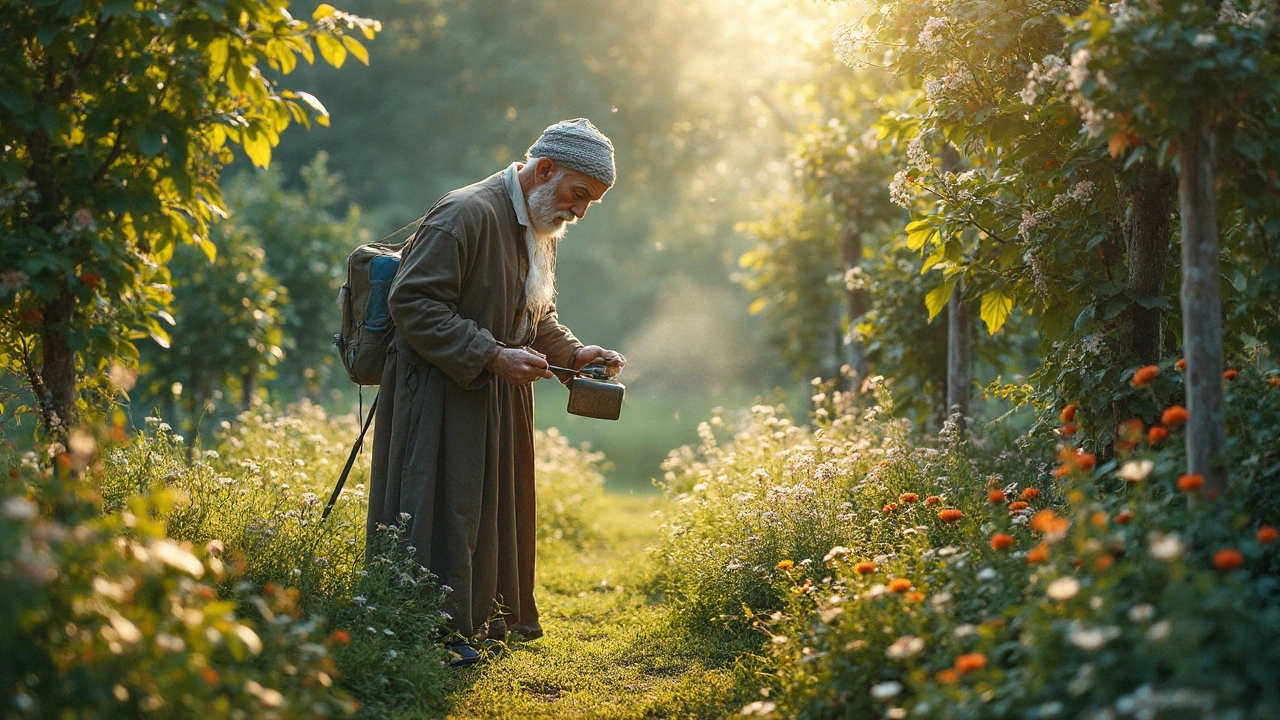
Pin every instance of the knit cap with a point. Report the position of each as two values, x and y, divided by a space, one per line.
577 145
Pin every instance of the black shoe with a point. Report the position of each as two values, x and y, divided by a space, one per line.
497 631
462 655
532 631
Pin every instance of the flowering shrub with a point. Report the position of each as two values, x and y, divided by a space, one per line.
1118 593
778 491
213 587
104 616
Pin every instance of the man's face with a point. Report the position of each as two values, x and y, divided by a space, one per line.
569 195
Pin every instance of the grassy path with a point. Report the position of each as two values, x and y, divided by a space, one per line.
609 651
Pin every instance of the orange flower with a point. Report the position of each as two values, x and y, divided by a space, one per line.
1102 562
1017 505
1001 541
1069 429
865 567
1123 518
969 662
1086 461
340 636
909 498
1230 374
1131 429
950 515
1048 523
1145 375
1190 482
1068 413
889 508
1099 519
916 597
785 565
209 675
948 677
1038 554
90 281
1180 365
995 497
1030 494
932 500
899 585
1174 416
1274 381
1157 434
1267 535
1228 559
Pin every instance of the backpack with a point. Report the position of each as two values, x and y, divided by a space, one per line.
366 316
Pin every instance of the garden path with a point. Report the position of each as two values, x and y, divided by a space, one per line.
609 651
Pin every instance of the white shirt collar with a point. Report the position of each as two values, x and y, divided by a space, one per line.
512 180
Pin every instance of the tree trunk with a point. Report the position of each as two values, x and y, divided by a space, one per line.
1148 251
1201 302
855 304
58 368
959 365
248 388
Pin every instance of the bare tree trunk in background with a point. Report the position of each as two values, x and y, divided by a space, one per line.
248 388
1148 253
855 304
959 362
1202 302
959 328
58 368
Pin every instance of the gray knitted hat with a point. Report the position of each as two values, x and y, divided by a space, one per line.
577 145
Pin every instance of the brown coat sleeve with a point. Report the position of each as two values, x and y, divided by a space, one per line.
555 340
424 307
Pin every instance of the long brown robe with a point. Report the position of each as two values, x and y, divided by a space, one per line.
453 443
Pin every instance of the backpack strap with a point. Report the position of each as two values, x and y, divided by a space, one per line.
351 460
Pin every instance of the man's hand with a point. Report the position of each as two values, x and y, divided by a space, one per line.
519 366
614 361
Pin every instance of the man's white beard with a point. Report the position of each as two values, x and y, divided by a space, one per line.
549 225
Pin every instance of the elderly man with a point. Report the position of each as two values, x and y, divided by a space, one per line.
476 325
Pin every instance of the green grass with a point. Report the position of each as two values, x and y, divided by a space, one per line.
610 650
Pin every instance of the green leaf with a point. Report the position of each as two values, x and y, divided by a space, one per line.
257 146
356 48
938 297
323 11
996 306
919 233
208 248
219 53
331 50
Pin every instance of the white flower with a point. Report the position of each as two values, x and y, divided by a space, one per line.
987 574
904 647
1159 631
900 190
1141 613
1205 39
917 155
930 37
886 690
1091 639
1064 588
249 638
1028 94
19 508
965 630
1136 470
759 708
1166 547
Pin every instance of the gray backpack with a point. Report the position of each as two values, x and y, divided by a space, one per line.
366 317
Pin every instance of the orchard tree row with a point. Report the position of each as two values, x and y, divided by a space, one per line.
1038 165
115 121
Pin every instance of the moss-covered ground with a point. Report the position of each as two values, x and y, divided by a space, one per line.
610 650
